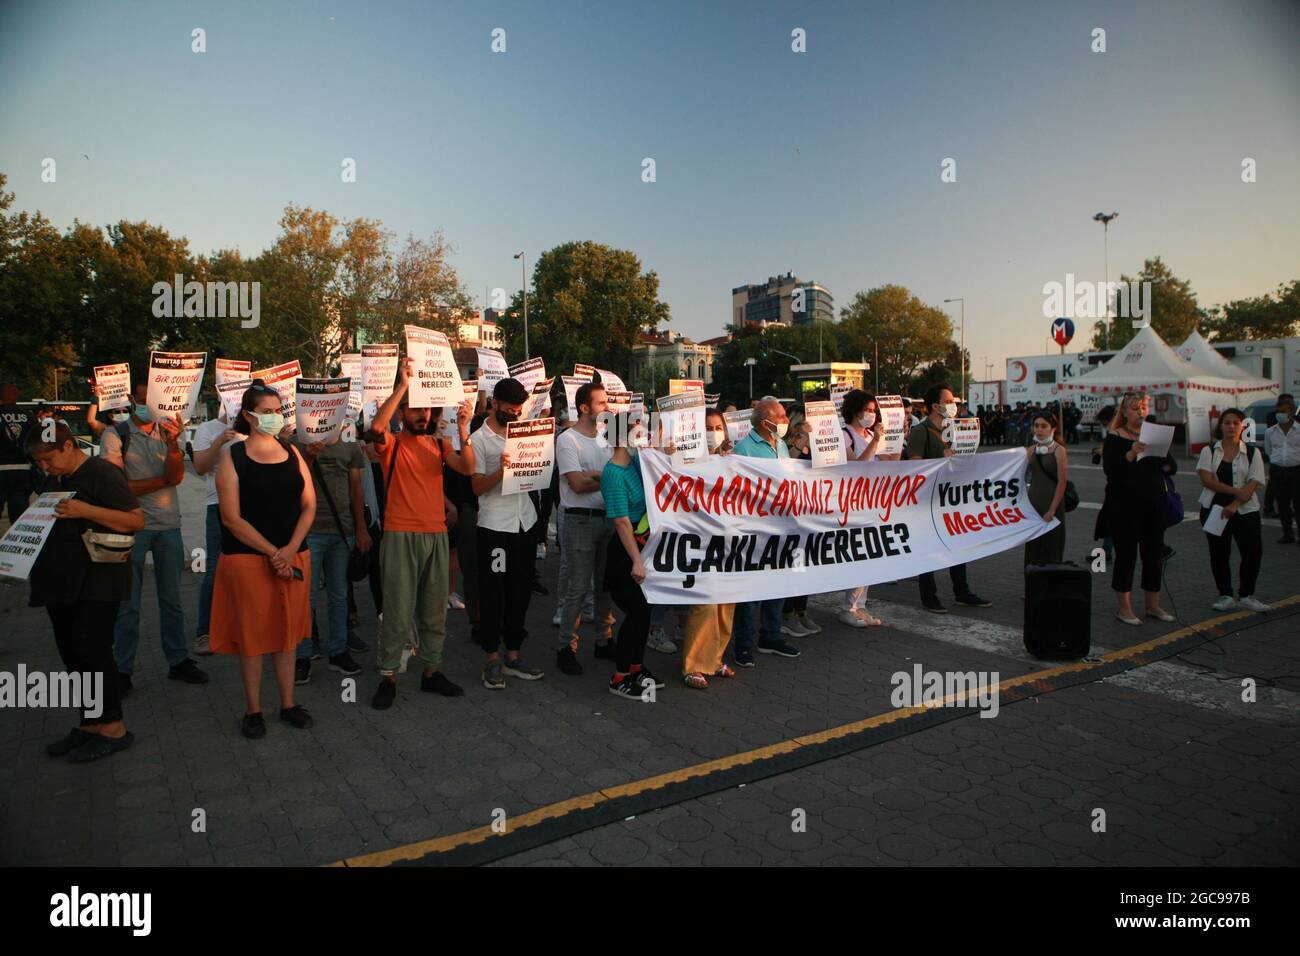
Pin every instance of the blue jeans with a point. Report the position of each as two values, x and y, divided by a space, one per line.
767 614
329 571
168 558
212 541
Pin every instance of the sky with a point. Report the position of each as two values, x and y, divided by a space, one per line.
826 163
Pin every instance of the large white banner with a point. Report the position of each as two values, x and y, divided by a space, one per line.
322 404
531 449
175 380
114 382
435 379
378 376
284 379
732 529
22 543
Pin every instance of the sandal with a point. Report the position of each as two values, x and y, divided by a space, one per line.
724 671
696 680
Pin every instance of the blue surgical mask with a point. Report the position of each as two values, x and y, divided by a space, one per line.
270 423
120 417
142 412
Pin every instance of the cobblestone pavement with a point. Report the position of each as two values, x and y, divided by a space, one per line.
1185 771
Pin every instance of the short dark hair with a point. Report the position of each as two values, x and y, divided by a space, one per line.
583 397
36 438
510 391
934 391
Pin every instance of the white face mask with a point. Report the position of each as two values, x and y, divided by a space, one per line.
949 410
867 419
716 437
120 417
1283 417
1044 439
638 440
781 429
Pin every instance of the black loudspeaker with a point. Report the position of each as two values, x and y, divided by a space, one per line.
1058 611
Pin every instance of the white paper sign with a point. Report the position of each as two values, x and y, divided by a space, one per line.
22 543
531 449
435 379
894 417
232 397
965 436
284 379
1157 438
539 402
619 402
528 373
681 422
231 370
584 372
826 441
739 424
175 380
114 383
322 404
493 365
448 426
571 386
350 368
378 375
611 381
636 403
1215 522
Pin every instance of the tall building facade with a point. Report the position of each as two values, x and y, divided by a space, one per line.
774 302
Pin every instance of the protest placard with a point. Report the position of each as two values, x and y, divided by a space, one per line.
838 391
739 424
435 379
231 370
571 386
350 368
965 436
231 394
22 543
114 382
528 373
681 423
676 386
378 376
584 372
619 402
539 402
322 404
493 366
611 381
826 440
175 380
284 379
530 447
894 417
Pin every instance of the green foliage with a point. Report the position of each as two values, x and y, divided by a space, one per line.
1174 312
910 334
1275 316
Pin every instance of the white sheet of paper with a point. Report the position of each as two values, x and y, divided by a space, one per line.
1157 438
531 448
1215 521
22 543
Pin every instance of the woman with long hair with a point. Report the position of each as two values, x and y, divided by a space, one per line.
1047 486
1131 511
864 430
261 599
1231 472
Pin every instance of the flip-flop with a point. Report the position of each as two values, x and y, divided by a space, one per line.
100 746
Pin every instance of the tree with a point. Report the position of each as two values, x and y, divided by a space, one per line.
774 349
588 303
652 380
909 333
422 288
1172 304
1275 316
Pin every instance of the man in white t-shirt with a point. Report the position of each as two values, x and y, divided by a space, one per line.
580 455
209 439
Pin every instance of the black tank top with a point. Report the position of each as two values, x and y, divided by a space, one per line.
269 500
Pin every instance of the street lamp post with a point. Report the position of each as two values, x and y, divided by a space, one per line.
751 362
1104 219
523 282
962 354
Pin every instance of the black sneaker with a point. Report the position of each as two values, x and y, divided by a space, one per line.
62 747
437 683
302 671
973 600
518 668
646 677
100 746
743 658
779 648
604 650
344 664
297 716
567 661
934 606
628 687
493 679
357 644
316 653
187 671
254 727
385 693
123 686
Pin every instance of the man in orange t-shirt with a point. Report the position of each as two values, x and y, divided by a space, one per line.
413 553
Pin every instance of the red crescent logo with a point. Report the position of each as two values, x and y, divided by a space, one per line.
1018 371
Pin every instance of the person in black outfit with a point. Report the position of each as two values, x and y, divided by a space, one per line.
1131 512
16 482
80 595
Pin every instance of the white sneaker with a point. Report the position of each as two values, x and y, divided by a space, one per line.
201 646
1224 603
851 619
808 624
541 552
455 601
791 626
658 641
555 618
1254 604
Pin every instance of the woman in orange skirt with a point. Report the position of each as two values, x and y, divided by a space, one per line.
261 598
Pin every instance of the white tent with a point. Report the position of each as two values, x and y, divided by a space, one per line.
1148 364
1205 357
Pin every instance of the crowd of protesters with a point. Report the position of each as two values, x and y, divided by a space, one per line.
416 503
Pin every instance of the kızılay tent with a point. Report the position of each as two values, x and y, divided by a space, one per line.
1205 357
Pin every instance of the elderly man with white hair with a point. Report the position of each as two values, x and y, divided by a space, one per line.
770 422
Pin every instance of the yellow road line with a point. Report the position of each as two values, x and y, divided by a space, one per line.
422 848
